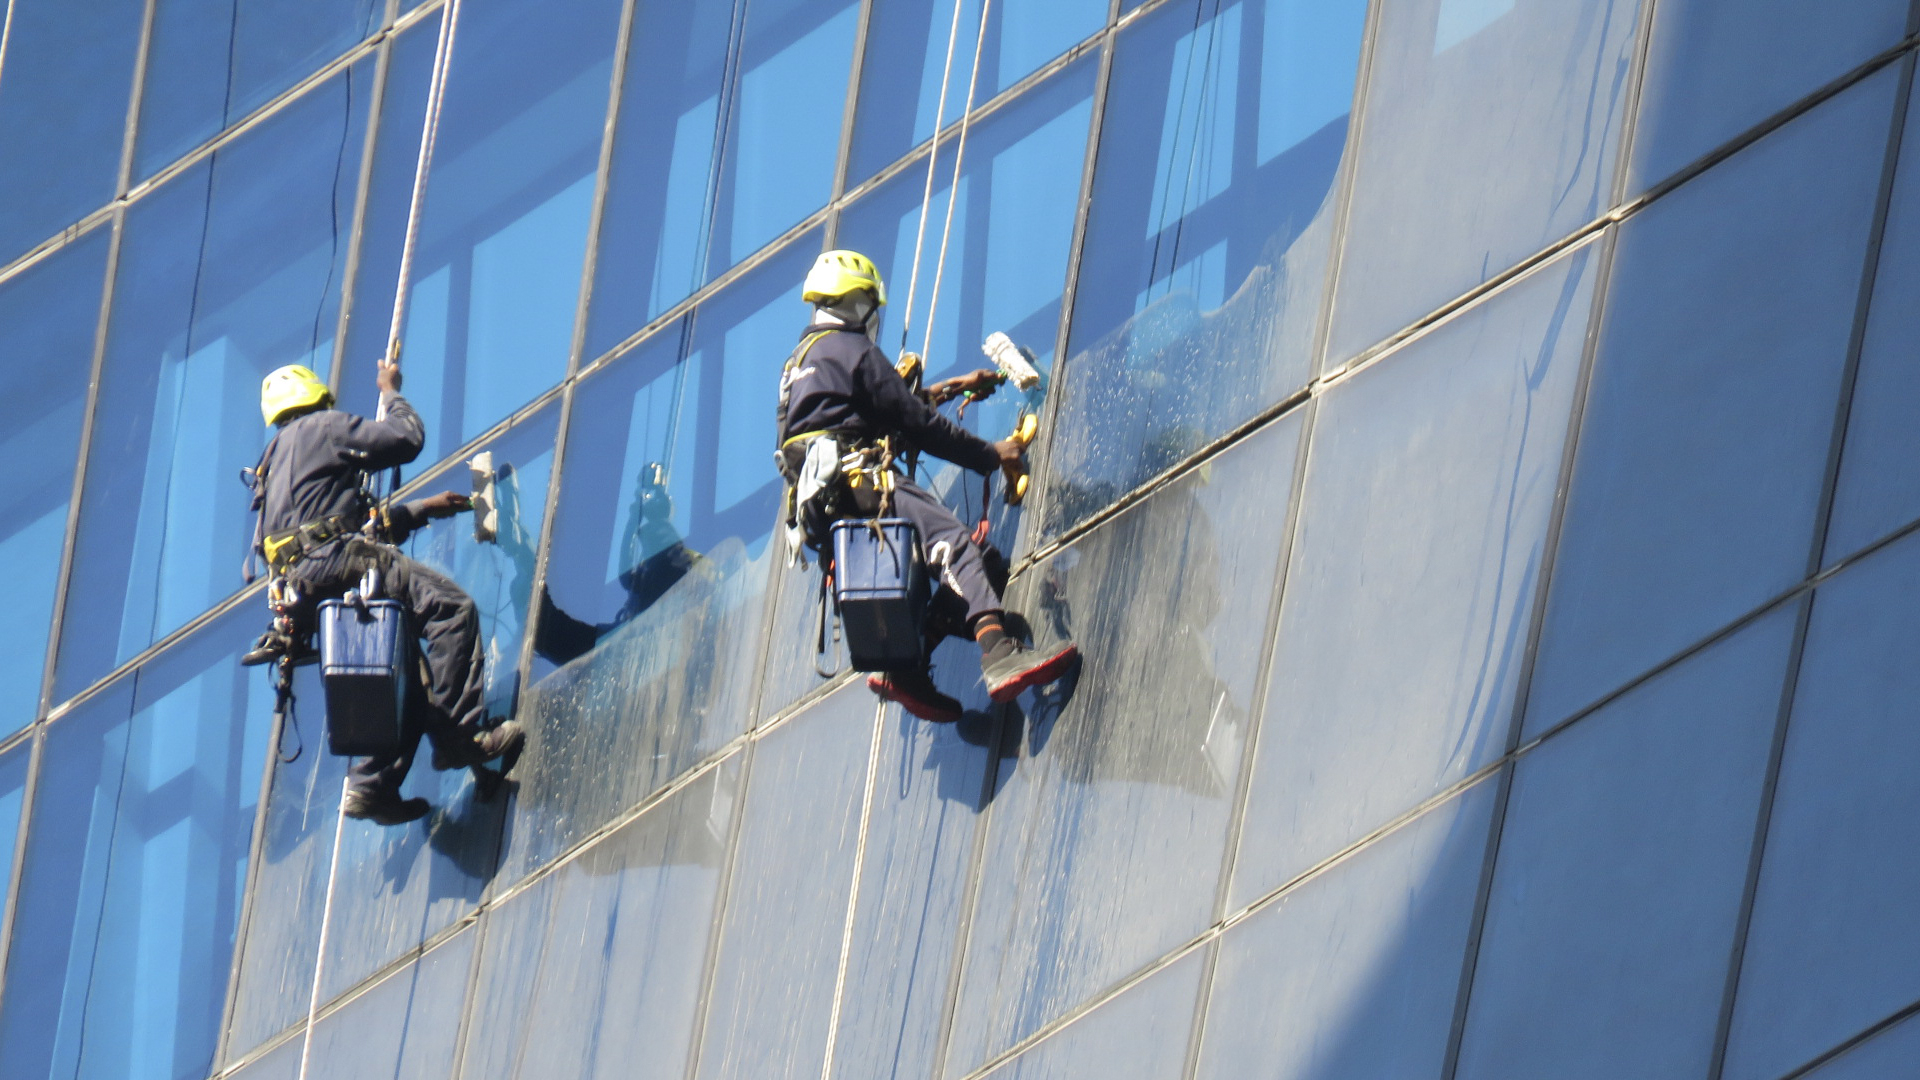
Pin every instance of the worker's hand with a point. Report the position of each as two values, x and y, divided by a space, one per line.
387 378
981 383
445 504
1013 460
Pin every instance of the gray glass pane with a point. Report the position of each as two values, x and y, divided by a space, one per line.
1622 862
283 1063
405 1028
1109 830
211 62
62 162
1492 130
1705 440
1140 1035
131 888
1204 269
228 271
496 277
650 636
1715 69
1895 1052
1878 491
1355 972
780 939
907 52
1428 493
1832 947
595 971
47 321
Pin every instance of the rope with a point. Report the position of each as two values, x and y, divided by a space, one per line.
933 158
326 924
953 191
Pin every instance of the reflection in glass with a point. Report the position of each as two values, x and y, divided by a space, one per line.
131 889
62 162
406 1027
1140 1035
47 321
228 271
1207 241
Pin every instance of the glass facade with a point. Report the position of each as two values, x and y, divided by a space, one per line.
1477 466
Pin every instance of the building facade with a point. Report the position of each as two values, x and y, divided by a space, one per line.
1478 465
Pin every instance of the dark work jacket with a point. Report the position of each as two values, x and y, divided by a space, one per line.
844 383
312 468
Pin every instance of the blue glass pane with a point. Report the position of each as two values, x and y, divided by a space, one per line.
1877 490
47 320
211 62
774 978
228 271
135 862
1892 1053
1492 130
1832 948
1207 241
1623 858
907 50
62 162
1354 973
595 971
13 788
1414 573
1110 827
1705 441
405 1028
1140 1035
496 279
650 634
1715 69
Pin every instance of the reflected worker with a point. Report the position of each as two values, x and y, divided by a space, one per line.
839 396
310 492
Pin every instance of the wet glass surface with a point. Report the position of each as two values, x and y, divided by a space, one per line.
131 888
62 162
1110 815
1492 129
1355 972
47 320
1706 434
1831 948
1623 857
1204 269
1428 495
405 1028
228 271
595 971
1140 1035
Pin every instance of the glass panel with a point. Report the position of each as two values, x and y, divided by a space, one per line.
1877 490
773 984
1140 1035
1492 130
1705 440
1715 69
596 970
496 278
1398 656
283 1063
1832 947
1623 857
13 789
405 1028
1207 239
1111 826
650 635
1354 973
134 869
227 272
212 62
906 53
1892 1053
47 320
62 162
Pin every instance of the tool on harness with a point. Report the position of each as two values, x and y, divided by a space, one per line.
282 598
364 652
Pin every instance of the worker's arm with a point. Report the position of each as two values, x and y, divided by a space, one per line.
885 401
404 518
395 440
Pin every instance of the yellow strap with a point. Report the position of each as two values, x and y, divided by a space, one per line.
804 435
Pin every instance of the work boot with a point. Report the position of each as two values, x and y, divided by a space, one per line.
503 743
383 809
1012 667
915 692
272 645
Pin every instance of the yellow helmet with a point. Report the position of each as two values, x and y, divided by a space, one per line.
288 388
837 273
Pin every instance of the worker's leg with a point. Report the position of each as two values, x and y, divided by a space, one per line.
953 559
445 616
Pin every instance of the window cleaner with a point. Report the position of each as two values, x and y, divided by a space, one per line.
845 416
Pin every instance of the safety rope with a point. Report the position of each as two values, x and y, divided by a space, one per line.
933 158
953 190
326 925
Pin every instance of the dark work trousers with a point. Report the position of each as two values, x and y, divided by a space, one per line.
454 707
953 560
